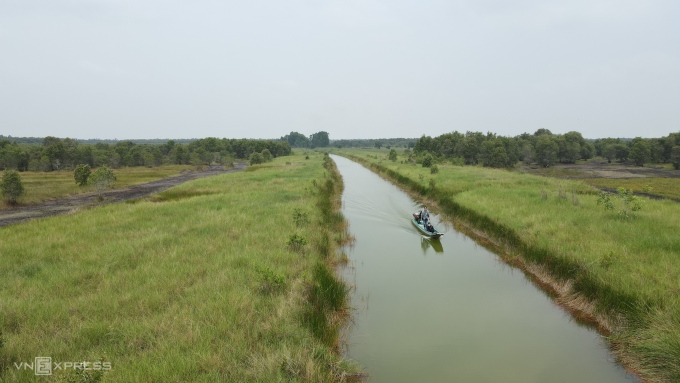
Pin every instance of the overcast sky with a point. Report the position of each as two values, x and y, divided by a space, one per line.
354 68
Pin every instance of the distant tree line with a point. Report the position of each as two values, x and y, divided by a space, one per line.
545 149
299 140
39 140
376 143
56 154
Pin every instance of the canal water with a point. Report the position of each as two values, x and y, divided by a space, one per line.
450 310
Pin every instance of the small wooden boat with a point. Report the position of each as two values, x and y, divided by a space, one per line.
432 234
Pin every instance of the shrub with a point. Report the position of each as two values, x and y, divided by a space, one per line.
102 179
393 155
271 280
297 243
434 169
81 174
256 158
11 186
266 155
427 161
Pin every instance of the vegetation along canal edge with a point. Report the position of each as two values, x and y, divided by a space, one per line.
544 269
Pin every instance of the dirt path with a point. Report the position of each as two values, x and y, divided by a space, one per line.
67 204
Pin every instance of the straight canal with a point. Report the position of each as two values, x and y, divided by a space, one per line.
450 310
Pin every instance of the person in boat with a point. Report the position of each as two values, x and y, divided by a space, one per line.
429 227
425 216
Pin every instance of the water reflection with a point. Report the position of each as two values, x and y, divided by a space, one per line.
427 243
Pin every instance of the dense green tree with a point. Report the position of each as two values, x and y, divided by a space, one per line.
81 174
639 151
675 157
609 152
319 140
622 152
256 158
296 140
11 186
266 155
546 150
543 132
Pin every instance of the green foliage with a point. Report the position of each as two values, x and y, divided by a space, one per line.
434 169
11 186
639 151
675 157
605 199
102 179
271 281
81 174
266 155
256 158
297 243
427 160
546 150
393 155
630 202
319 140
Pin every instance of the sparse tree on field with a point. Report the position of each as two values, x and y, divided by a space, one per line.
11 186
81 174
102 179
393 155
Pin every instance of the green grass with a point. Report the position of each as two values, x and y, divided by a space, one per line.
662 187
40 186
630 268
197 284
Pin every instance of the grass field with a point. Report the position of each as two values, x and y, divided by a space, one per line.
222 279
628 267
40 186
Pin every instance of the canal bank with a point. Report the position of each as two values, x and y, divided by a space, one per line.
449 310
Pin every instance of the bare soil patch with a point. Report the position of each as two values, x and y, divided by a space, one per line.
68 204
599 168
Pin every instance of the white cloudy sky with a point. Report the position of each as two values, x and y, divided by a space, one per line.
354 68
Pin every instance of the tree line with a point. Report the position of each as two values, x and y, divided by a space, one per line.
299 140
54 153
545 149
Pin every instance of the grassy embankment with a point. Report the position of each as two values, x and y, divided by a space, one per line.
40 186
623 272
200 283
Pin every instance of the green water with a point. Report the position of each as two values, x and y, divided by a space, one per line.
450 310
